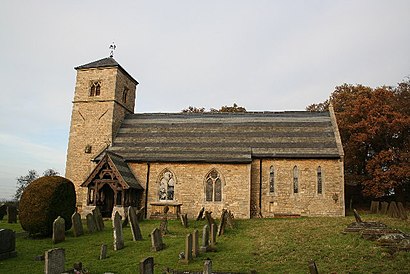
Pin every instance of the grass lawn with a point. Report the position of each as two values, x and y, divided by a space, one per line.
264 245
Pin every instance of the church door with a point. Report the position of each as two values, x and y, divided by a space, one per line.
108 200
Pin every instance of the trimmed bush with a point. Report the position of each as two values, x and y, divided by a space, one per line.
43 201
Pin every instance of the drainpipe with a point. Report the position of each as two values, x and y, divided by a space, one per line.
146 191
260 187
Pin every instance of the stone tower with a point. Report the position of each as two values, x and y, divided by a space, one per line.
104 94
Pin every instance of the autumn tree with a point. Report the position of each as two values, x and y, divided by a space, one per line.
233 108
374 125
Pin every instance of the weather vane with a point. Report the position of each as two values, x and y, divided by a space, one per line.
112 48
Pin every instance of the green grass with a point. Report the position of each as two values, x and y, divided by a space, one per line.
264 245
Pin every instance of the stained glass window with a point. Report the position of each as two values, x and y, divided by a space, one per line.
271 179
295 179
213 187
166 186
319 180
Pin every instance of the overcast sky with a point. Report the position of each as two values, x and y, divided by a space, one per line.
263 55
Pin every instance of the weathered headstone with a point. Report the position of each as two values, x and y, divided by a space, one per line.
385 206
200 214
54 261
222 224
140 214
77 224
103 252
374 207
230 220
188 249
147 266
357 216
184 220
393 211
205 239
117 230
207 266
156 240
312 267
195 243
135 228
126 219
209 218
99 222
214 232
163 226
7 244
58 230
11 214
3 211
90 223
402 211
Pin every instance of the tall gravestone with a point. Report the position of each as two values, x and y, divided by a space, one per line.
207 266
184 220
374 207
58 230
99 223
11 214
54 261
77 224
384 207
222 224
188 249
156 240
205 239
393 211
3 211
147 266
214 232
135 228
195 243
90 223
7 244
117 230
200 214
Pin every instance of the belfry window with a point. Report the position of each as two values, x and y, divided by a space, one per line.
166 186
213 187
95 89
319 181
295 179
271 180
124 95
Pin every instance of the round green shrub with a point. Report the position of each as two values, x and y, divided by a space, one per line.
43 201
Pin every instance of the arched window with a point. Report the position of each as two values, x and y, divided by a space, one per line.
213 187
271 180
124 95
295 179
319 180
95 89
166 185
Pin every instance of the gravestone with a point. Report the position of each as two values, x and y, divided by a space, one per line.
357 216
11 214
156 240
230 220
205 239
195 243
140 214
384 208
58 230
188 249
7 244
99 223
90 223
200 214
313 267
207 266
374 207
54 261
135 228
222 224
209 218
184 220
147 266
77 224
163 227
126 219
3 211
214 232
103 252
393 211
117 230
402 211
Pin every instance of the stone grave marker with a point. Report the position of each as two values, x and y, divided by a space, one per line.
147 266
58 230
313 267
402 211
77 224
163 227
90 223
195 243
11 214
117 230
3 211
214 232
207 266
205 239
156 240
184 220
209 218
384 207
393 211
200 214
140 214
222 224
99 223
103 252
374 207
54 261
135 228
230 220
188 249
7 244
357 216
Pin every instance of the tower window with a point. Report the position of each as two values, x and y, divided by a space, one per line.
295 179
124 95
95 89
319 180
271 180
213 187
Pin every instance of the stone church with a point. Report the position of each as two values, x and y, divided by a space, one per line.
256 164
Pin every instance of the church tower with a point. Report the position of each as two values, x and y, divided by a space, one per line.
104 94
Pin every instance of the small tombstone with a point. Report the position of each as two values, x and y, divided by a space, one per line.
374 207
54 261
3 211
147 266
58 230
11 214
384 207
103 252
163 227
222 224
184 220
402 211
207 266
188 249
156 240
393 211
7 244
313 267
77 224
195 243
230 220
357 216
205 239
135 228
214 232
200 214
99 223
90 223
117 230
140 214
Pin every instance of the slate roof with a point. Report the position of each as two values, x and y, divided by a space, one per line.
225 137
124 170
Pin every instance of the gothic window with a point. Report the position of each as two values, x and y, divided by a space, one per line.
271 180
124 95
95 89
319 180
166 186
213 187
295 179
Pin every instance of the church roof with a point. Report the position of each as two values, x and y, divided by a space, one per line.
225 137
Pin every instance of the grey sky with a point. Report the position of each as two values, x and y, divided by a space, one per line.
263 55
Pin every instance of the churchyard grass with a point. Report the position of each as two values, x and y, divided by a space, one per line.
264 245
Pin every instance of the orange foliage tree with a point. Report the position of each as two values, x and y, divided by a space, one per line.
374 125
